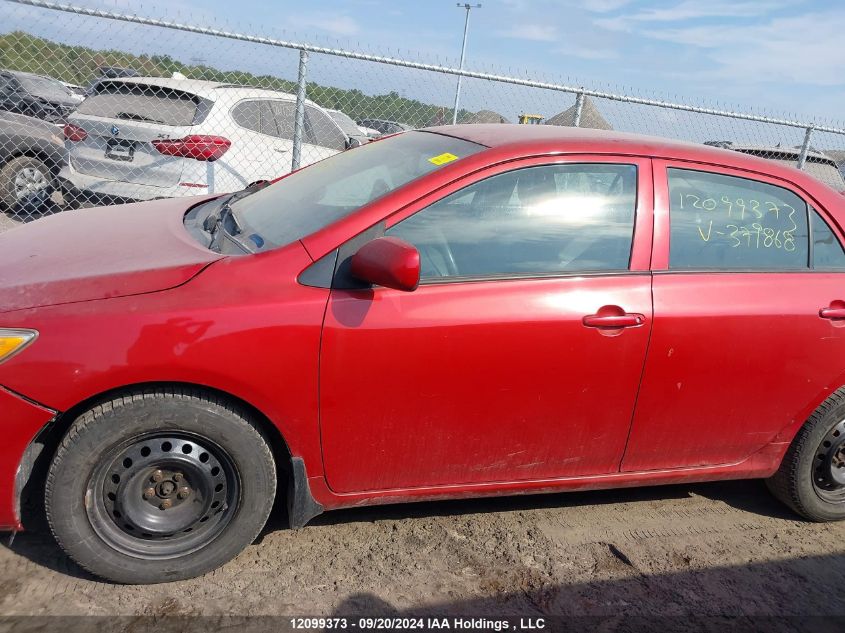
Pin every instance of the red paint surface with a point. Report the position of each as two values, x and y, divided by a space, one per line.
455 389
98 253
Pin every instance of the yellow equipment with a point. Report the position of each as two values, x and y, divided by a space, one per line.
530 119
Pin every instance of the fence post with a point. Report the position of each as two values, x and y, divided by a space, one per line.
805 147
299 120
579 107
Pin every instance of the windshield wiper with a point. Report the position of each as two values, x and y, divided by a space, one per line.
224 213
227 220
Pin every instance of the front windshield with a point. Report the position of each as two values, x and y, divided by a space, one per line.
317 196
45 88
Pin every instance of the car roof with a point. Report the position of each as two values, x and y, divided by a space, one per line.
543 139
21 73
201 87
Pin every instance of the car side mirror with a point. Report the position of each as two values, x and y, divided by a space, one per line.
388 262
353 142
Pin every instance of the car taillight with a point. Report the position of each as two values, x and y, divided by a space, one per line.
74 133
196 146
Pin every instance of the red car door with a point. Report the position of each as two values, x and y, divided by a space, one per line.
519 356
749 286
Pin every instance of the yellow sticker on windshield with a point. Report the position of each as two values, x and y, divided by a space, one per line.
444 158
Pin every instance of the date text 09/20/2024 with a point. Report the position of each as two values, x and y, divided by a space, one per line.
419 624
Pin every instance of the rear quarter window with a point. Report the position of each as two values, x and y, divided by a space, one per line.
139 102
827 251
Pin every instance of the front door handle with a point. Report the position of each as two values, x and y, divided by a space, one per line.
832 313
613 320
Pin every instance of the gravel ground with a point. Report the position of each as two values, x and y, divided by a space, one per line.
8 222
709 549
10 219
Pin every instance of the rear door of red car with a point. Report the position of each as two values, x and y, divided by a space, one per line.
749 277
519 356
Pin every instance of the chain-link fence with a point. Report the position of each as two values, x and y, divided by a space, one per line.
100 106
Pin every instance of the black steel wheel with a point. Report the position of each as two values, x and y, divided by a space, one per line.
829 468
811 477
163 495
159 486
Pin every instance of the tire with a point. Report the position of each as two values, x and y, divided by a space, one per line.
811 477
158 486
23 172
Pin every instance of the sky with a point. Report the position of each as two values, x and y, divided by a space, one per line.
782 55
779 57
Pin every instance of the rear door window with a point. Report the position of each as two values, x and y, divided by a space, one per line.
140 102
285 112
256 115
247 114
721 222
267 124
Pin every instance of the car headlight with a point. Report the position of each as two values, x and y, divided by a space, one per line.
13 341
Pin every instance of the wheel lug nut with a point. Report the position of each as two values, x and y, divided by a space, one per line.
158 476
149 493
184 492
165 504
178 477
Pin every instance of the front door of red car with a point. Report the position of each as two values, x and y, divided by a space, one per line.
748 335
519 356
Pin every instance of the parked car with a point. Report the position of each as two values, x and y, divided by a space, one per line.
109 72
77 90
817 163
31 154
385 127
356 135
456 312
142 138
116 72
36 96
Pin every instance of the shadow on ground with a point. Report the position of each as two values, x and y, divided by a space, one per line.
37 545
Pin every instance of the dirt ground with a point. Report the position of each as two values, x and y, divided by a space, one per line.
708 549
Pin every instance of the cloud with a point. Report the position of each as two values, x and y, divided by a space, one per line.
779 50
696 10
688 11
533 32
326 21
603 6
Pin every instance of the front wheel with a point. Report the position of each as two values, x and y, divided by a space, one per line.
159 486
22 178
811 478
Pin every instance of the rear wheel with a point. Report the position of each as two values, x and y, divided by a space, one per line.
159 486
811 478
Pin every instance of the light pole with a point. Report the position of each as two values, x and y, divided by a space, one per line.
468 7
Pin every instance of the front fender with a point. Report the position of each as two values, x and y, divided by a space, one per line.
20 422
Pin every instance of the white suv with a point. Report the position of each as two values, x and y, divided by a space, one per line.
141 138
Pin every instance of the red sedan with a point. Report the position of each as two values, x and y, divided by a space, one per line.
462 311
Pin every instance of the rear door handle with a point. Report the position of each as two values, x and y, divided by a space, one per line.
832 313
613 320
